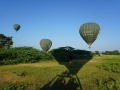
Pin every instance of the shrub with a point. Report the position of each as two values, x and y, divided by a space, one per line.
22 55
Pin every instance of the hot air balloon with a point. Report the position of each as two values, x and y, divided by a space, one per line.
45 44
16 27
89 32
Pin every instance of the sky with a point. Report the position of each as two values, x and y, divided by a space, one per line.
59 21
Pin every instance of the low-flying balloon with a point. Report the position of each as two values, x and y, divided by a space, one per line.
16 27
89 32
45 44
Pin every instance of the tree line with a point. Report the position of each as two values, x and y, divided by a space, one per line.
114 52
6 43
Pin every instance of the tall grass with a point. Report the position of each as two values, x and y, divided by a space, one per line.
84 75
111 64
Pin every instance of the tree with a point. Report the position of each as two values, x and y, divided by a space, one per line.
5 42
68 48
97 52
116 52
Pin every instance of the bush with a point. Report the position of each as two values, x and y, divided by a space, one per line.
29 54
22 55
62 54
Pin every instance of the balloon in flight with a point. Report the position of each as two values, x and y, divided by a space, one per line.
45 44
16 27
89 32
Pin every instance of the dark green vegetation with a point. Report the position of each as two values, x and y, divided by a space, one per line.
29 54
115 52
22 55
5 42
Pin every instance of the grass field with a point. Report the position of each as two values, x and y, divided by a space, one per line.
99 73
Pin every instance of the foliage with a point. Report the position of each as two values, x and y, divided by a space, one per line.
22 55
61 54
97 52
29 54
5 42
115 52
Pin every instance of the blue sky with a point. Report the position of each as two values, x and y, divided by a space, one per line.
60 20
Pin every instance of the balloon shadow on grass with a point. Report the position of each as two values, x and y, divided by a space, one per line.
68 80
65 81
62 57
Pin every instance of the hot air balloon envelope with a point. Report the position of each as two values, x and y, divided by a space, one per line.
89 32
16 27
45 44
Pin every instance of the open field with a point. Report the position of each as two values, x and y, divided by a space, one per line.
99 73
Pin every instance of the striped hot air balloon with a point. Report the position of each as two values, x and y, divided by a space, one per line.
89 32
45 44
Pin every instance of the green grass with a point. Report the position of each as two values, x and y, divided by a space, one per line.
84 75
